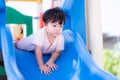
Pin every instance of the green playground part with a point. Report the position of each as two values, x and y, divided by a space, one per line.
2 71
15 17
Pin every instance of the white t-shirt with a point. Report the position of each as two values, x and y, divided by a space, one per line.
40 38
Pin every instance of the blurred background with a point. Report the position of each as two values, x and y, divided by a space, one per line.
110 14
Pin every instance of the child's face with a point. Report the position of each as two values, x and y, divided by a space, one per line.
54 29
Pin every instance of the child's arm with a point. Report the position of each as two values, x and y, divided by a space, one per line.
53 58
41 65
39 55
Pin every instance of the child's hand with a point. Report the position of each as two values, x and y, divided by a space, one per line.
45 69
51 65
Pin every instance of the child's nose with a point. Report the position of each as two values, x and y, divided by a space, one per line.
57 28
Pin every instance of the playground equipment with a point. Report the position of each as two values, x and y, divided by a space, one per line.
15 17
75 62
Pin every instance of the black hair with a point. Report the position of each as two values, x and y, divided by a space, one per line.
54 15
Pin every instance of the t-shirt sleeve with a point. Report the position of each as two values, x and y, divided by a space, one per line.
38 38
60 46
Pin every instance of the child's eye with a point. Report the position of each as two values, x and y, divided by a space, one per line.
61 26
54 25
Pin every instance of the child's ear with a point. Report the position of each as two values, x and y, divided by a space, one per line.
44 24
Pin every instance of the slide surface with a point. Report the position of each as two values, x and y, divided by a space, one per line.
75 62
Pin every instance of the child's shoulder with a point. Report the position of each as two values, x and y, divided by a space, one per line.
41 30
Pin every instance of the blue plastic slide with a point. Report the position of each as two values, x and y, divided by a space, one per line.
75 62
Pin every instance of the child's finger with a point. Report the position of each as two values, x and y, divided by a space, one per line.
54 67
47 72
41 71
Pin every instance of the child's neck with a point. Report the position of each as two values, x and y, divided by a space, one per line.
51 38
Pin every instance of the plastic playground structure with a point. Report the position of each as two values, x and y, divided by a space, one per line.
75 62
